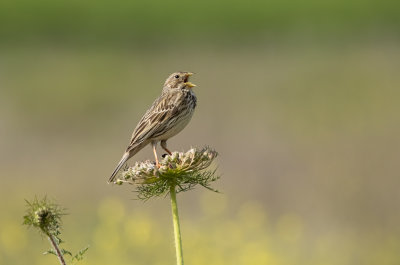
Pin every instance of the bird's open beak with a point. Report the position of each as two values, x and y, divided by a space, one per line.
187 83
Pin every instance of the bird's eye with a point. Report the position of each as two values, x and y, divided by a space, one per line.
177 76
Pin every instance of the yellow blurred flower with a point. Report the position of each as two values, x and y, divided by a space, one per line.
106 239
213 203
139 231
111 211
290 227
13 238
252 215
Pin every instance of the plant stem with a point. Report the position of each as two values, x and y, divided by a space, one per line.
177 230
57 249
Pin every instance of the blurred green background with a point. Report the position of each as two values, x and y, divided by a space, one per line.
300 98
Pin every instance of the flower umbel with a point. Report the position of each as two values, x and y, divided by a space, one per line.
183 170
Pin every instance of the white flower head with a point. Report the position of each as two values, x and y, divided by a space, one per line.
184 170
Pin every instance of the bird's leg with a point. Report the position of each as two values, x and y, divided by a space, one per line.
154 144
164 146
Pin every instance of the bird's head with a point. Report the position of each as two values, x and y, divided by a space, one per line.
179 80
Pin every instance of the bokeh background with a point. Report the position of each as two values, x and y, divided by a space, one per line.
300 98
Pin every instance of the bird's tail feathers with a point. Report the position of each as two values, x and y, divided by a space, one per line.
120 164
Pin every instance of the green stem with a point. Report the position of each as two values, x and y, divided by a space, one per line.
177 230
56 249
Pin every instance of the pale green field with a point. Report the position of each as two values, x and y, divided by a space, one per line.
300 98
307 135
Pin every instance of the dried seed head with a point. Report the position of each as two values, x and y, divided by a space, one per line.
44 215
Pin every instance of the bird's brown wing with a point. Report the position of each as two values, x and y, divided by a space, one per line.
156 119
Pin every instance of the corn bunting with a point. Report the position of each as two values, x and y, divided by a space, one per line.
168 115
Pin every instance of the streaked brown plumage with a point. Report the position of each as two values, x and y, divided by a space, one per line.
168 115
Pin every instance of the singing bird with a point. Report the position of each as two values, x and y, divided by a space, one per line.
168 115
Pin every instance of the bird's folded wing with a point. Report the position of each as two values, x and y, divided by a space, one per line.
155 120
